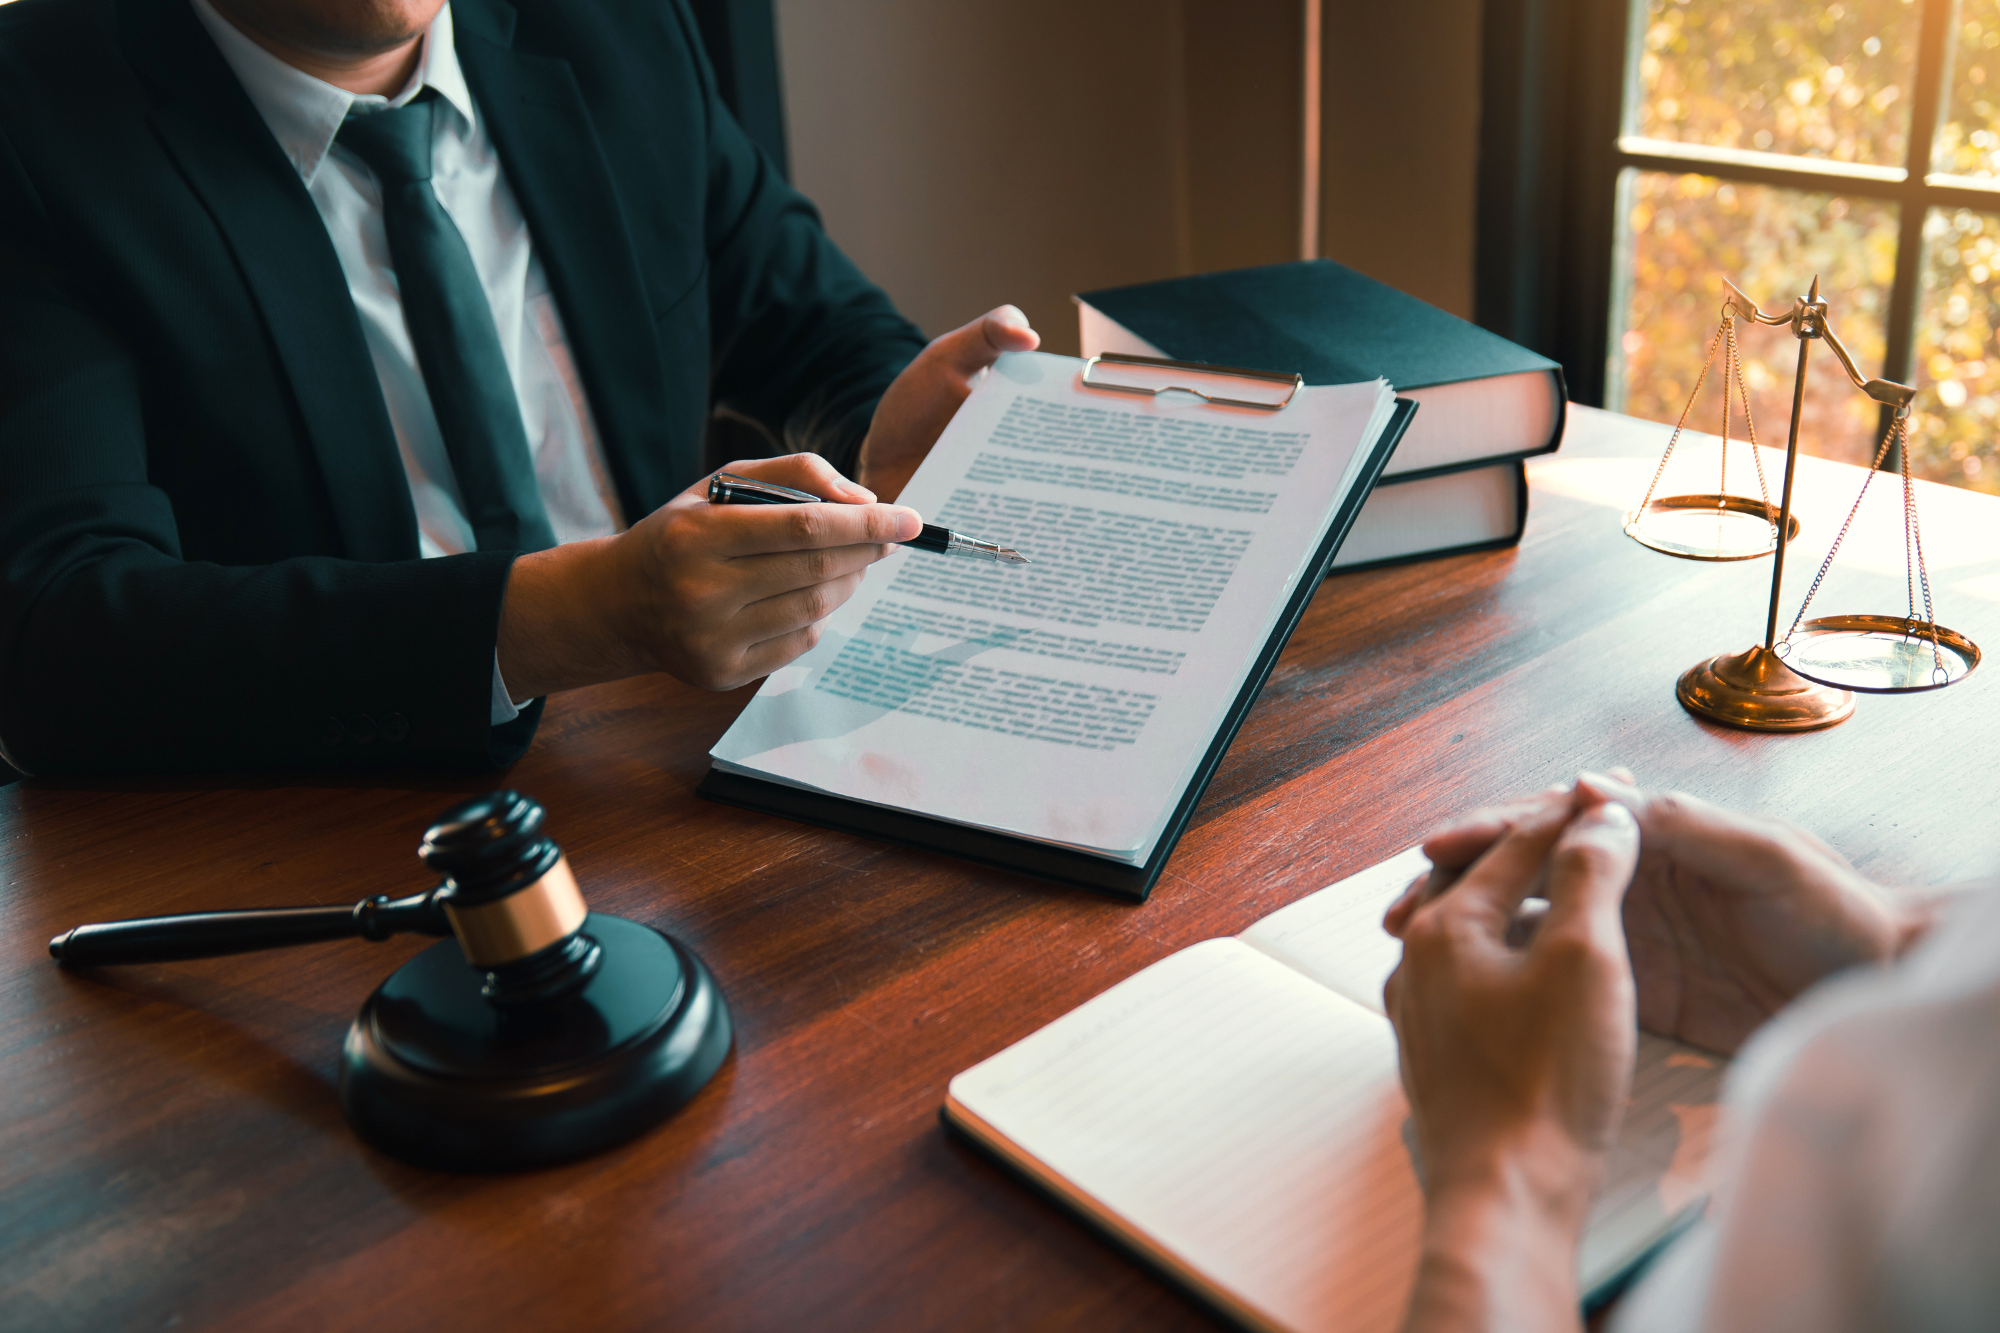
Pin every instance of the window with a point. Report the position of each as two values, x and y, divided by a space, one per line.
1772 140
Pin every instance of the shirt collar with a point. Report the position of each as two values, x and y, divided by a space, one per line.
304 114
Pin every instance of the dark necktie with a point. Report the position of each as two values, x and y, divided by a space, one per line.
451 327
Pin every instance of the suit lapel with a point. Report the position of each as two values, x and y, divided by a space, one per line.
261 207
535 113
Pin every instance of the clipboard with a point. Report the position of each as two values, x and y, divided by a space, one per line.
1062 865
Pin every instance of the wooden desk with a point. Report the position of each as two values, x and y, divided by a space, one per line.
170 1150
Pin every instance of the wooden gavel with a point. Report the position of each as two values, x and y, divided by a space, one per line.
541 1032
165 939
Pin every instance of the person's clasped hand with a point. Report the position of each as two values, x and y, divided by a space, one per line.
1518 1055
1517 1049
1729 917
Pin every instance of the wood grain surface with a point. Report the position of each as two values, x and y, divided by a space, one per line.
171 1154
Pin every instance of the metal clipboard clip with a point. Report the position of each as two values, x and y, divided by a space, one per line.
1155 383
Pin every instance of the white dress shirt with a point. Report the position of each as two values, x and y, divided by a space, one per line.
304 115
1859 1181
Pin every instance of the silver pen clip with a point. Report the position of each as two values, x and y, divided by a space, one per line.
726 488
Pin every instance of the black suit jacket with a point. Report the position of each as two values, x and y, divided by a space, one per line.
208 555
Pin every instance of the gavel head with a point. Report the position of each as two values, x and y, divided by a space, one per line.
511 899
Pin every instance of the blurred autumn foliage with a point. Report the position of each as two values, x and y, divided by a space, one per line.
1958 364
1815 81
1780 76
1687 233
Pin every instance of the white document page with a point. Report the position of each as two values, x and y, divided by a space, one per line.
1070 700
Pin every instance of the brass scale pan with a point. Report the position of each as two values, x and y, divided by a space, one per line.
1708 527
1878 654
1869 654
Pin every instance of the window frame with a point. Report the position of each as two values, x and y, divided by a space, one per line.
1554 155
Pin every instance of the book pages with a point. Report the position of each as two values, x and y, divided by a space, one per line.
1432 515
1335 935
1242 1125
1235 1112
1072 700
1656 1171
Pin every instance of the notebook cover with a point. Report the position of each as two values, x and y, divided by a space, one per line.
1058 864
1497 544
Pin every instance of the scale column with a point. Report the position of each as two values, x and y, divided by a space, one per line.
1807 328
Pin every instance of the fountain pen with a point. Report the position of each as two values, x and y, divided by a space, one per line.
726 488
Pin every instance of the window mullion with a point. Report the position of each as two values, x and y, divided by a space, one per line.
1926 110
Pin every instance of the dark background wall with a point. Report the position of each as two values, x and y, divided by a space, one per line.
972 153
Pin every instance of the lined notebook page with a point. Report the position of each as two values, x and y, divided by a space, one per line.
1235 1112
1335 936
1237 1121
1654 1173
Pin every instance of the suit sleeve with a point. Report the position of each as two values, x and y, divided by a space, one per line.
117 655
803 344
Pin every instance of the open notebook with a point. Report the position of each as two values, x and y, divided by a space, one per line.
1234 1113
1062 717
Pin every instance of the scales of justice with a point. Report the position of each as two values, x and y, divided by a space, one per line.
1806 679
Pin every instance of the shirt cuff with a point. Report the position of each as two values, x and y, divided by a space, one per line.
503 707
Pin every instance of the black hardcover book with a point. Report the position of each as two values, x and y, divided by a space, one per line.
1485 399
1479 508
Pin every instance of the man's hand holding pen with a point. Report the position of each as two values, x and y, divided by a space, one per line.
714 595
718 595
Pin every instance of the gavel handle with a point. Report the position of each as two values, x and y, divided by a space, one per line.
162 939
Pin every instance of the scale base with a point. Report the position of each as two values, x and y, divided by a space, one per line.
1758 692
437 1075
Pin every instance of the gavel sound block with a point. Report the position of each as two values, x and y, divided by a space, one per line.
542 1032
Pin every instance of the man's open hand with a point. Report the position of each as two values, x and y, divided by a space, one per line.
923 398
716 595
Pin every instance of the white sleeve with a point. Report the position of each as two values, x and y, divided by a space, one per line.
503 706
1859 1183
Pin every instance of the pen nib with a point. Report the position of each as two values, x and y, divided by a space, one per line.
959 544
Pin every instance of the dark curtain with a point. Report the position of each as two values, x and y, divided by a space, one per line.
1550 106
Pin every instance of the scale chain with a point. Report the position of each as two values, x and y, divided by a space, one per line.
1728 372
1913 539
1915 572
1732 374
1681 425
1888 437
1749 428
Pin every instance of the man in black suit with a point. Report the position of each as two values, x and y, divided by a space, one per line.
248 382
